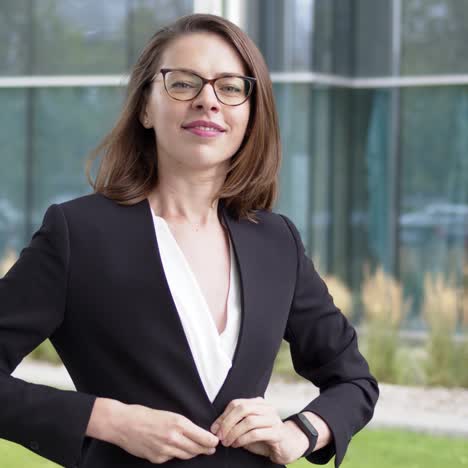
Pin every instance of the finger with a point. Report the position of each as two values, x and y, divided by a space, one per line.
199 435
230 406
238 412
175 452
249 423
186 447
265 434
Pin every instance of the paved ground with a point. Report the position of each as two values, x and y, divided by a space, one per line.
432 410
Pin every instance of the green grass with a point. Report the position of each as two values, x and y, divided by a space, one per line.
368 449
393 448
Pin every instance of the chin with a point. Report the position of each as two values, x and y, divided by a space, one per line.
206 159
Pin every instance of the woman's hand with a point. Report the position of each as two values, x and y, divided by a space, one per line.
255 425
159 436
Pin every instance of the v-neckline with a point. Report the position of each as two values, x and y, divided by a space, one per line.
239 239
195 282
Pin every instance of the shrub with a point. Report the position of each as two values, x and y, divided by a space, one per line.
439 309
341 294
384 309
7 261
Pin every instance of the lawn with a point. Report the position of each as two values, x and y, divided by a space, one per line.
368 449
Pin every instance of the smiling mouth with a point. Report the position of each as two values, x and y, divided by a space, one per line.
202 131
202 127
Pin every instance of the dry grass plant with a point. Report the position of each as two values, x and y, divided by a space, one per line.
440 310
383 298
8 260
385 307
463 358
341 294
464 300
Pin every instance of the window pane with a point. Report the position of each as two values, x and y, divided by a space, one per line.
352 38
147 16
80 37
434 37
13 173
294 100
14 28
434 190
283 32
69 124
372 182
372 31
335 180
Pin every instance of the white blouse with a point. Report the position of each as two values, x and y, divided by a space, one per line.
212 352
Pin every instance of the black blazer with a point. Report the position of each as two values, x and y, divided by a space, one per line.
92 281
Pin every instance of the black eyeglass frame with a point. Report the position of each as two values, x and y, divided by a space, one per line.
205 81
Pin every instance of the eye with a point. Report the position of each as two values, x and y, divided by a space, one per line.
231 89
182 85
231 86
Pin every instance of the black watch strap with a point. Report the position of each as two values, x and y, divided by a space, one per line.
308 429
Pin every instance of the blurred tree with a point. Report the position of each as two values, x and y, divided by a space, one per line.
13 43
434 37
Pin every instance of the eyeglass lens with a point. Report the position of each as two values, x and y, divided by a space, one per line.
184 86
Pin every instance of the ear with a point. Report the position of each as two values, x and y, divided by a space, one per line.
143 115
144 118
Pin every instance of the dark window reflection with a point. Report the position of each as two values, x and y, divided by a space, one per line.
283 32
434 191
14 30
69 124
434 37
145 17
79 37
12 170
72 37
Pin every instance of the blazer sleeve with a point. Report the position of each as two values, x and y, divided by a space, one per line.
49 421
324 350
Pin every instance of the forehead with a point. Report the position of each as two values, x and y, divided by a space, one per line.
206 53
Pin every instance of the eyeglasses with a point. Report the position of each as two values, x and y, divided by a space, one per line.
184 85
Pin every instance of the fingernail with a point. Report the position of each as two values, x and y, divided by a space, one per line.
215 427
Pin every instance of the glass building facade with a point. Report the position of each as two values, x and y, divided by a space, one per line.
373 104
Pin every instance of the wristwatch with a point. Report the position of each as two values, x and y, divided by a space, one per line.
308 429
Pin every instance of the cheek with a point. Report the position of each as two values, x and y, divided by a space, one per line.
167 118
242 119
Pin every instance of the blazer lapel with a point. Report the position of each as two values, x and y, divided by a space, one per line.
243 246
253 260
245 242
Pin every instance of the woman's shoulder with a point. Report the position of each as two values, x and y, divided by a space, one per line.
273 218
93 204
83 202
274 224
96 209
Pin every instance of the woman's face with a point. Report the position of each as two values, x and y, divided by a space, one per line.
208 55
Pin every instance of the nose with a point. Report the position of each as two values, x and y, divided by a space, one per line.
206 99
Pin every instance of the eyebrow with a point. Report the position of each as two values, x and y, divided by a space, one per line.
217 75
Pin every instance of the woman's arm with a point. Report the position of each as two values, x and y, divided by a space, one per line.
49 421
324 350
106 419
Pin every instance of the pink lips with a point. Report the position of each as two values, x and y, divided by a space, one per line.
204 133
213 131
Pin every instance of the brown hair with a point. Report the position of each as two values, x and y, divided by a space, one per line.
128 170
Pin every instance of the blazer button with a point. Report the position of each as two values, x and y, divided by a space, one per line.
34 445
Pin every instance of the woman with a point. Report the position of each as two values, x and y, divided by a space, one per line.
168 290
